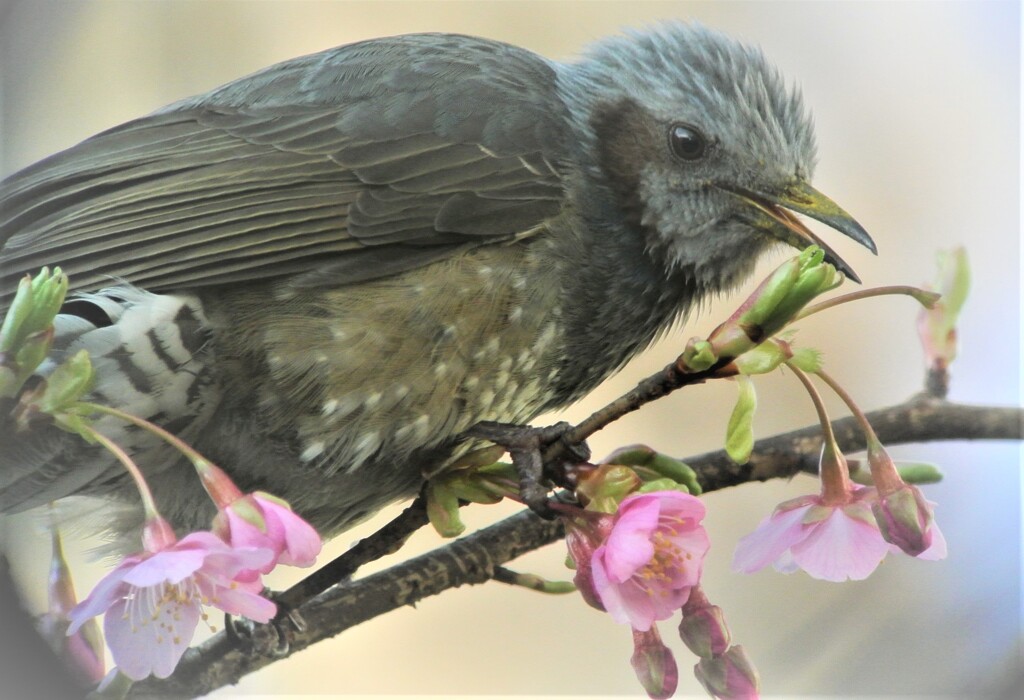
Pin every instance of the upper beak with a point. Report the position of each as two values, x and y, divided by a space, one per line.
772 213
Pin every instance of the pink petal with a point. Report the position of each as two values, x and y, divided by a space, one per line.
776 534
109 590
937 550
629 546
302 543
171 565
694 544
840 547
675 504
141 645
236 600
622 602
238 562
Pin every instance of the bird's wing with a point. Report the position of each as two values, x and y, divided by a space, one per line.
351 164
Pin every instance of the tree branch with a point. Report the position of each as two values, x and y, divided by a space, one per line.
473 559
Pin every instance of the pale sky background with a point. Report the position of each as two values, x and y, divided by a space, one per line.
917 114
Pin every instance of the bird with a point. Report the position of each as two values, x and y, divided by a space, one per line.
322 275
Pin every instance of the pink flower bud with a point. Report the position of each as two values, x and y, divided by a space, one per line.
704 631
730 675
654 664
905 519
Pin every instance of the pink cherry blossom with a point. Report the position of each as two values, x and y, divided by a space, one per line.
153 600
653 556
263 521
829 542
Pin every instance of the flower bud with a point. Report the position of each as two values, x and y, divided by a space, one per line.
730 675
33 308
651 466
937 325
698 356
905 519
774 303
704 631
604 488
654 664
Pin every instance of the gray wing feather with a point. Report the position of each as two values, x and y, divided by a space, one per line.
355 163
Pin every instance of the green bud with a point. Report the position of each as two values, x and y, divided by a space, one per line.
27 358
816 277
764 358
605 487
739 436
67 384
775 303
653 466
34 307
698 355
443 511
761 305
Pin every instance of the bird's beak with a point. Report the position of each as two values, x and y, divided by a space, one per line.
772 212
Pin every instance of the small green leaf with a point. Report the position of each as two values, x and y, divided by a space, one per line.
764 358
807 359
919 472
67 384
739 437
955 280
662 485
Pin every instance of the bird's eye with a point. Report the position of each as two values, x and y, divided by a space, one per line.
686 142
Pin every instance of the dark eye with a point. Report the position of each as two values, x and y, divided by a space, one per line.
686 142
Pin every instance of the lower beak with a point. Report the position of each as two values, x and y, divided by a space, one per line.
773 214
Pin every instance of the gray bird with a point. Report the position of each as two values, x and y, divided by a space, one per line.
322 274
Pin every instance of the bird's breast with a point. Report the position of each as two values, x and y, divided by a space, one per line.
372 373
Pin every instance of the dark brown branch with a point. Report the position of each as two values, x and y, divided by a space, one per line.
473 558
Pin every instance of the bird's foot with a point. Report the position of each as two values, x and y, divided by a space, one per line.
271 639
526 445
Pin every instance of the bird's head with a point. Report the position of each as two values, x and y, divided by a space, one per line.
703 147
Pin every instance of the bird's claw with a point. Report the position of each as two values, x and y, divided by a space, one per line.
526 445
270 640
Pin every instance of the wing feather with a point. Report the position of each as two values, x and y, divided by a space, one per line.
359 162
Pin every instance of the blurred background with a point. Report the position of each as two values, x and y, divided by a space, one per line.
917 113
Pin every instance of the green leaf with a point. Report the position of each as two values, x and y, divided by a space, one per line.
764 358
955 280
67 384
807 359
665 484
739 437
443 511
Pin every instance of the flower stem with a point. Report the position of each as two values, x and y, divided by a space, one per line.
835 475
133 469
819 406
926 298
869 432
175 442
